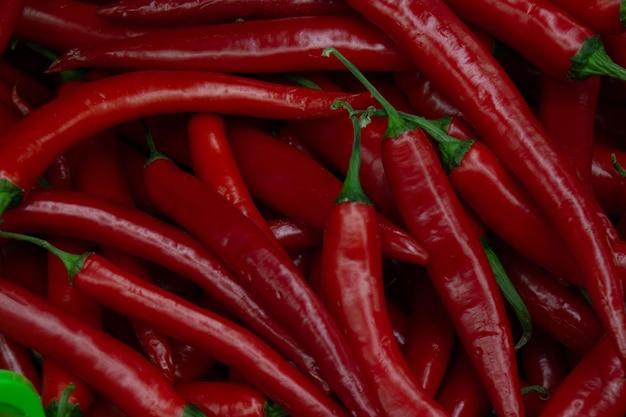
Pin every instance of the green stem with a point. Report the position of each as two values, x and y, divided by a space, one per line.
271 409
154 153
10 195
509 292
352 189
544 393
622 12
192 410
592 59
63 407
73 263
618 167
302 81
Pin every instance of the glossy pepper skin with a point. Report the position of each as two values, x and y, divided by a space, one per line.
112 368
187 12
103 103
559 44
293 183
265 270
435 38
353 291
268 46
602 16
142 235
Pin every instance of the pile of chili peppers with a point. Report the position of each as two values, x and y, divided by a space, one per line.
310 208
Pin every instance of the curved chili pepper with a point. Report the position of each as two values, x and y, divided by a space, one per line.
603 16
181 319
293 236
559 310
229 399
122 375
275 173
458 268
265 270
186 12
273 45
594 387
435 38
560 45
213 162
10 13
33 90
352 284
431 336
64 24
103 103
462 393
142 235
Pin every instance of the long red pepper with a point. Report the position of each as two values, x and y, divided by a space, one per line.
458 266
229 399
112 368
352 287
545 35
29 147
19 359
434 37
212 161
142 235
595 387
188 12
275 174
273 45
64 24
603 16
267 271
226 341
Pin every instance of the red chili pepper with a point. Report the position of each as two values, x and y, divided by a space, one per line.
214 163
122 374
275 174
229 399
29 87
144 236
603 16
61 25
183 320
293 236
430 338
607 183
266 271
352 285
10 12
188 12
559 310
435 38
103 103
458 268
560 45
273 45
192 364
462 394
594 387
102 407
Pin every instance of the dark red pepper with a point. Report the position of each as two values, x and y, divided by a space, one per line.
10 12
446 52
268 46
603 16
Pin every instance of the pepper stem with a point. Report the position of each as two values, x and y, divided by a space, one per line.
62 407
154 153
351 189
592 59
10 195
73 263
509 292
271 409
622 12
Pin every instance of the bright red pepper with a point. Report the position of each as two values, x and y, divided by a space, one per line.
142 235
103 103
594 387
121 374
296 185
268 46
228 342
229 399
293 236
603 16
188 12
435 38
352 287
560 45
265 270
